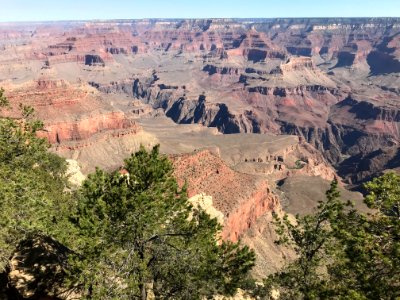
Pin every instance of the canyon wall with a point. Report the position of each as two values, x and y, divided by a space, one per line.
242 198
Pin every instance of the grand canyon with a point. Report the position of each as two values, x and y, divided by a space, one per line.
256 115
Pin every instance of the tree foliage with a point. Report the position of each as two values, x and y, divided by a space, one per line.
312 238
31 179
343 253
371 244
138 233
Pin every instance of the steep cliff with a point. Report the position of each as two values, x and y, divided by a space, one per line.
84 118
242 198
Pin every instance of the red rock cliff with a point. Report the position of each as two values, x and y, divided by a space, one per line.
242 198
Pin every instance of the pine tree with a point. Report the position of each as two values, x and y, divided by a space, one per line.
343 253
369 267
312 238
31 179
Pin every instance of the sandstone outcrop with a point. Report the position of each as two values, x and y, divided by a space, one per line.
84 116
206 203
74 173
114 123
242 198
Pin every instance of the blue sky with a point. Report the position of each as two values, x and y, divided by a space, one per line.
40 10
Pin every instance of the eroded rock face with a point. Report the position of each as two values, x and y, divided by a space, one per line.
71 113
94 60
74 173
247 202
206 203
242 198
270 257
114 123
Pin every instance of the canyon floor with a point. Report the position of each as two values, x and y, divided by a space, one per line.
258 114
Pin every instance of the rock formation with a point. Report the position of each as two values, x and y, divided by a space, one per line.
242 198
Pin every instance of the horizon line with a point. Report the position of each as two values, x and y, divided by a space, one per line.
184 18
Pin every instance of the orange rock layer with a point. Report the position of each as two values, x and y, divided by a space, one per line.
86 128
242 198
71 113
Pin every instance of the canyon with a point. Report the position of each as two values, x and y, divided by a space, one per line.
250 111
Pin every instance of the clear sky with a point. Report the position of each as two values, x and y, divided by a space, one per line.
40 10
